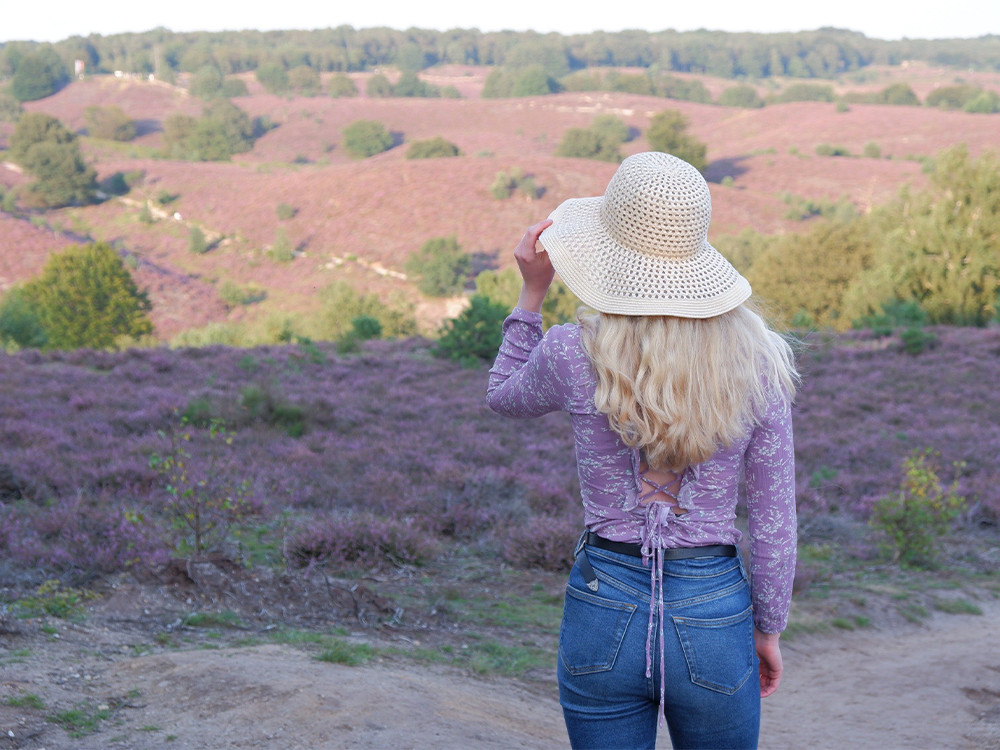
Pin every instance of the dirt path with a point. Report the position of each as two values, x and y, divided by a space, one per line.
932 687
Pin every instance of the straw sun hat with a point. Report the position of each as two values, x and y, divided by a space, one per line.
642 248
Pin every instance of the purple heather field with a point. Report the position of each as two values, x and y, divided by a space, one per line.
390 455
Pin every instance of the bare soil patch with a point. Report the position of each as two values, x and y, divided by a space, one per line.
151 678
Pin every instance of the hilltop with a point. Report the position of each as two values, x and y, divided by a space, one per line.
358 221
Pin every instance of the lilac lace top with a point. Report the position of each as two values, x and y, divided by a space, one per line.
535 374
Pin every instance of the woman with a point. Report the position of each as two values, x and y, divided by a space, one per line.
677 392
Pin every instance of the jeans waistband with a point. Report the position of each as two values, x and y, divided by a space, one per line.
634 549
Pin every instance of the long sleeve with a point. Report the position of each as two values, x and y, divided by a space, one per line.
769 465
533 374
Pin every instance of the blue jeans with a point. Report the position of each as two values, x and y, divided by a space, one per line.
712 696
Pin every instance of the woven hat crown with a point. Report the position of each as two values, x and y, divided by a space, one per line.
658 205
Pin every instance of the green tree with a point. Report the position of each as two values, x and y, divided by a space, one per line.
341 86
39 74
85 297
10 108
46 149
668 133
939 246
378 87
364 138
441 267
533 81
61 176
110 123
20 327
273 77
984 103
432 148
504 287
304 80
207 82
36 127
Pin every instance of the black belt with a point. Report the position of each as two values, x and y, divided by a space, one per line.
671 553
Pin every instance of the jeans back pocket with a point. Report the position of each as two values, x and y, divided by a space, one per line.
720 651
591 632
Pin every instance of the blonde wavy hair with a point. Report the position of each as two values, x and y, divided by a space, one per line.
679 388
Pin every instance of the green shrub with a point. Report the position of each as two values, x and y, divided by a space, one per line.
872 150
475 335
285 211
110 123
364 138
282 250
984 103
363 328
441 267
600 141
916 340
432 148
913 519
197 242
952 97
341 305
742 95
825 149
807 92
504 287
899 94
505 183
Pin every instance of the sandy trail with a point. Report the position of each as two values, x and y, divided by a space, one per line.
936 686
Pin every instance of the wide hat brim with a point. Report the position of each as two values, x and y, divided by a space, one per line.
612 278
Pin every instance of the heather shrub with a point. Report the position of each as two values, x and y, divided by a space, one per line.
912 520
362 540
475 335
545 542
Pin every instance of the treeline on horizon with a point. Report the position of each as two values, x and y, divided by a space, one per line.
823 53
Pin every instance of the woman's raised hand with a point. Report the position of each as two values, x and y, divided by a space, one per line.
535 267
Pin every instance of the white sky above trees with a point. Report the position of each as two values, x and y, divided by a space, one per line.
54 20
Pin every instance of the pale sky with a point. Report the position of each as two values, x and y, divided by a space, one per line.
54 20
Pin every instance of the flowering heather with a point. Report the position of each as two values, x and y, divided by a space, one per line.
396 451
